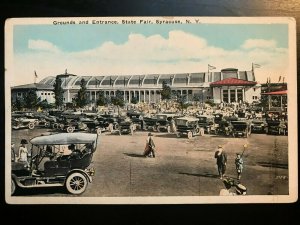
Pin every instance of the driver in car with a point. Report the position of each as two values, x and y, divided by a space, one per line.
76 154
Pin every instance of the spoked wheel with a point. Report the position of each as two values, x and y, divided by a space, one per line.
13 187
190 134
70 129
31 126
76 183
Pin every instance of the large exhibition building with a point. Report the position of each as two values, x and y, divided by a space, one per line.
228 85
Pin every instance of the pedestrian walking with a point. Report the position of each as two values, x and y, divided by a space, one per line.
239 165
221 157
150 147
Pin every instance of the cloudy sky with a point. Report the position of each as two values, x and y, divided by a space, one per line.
147 49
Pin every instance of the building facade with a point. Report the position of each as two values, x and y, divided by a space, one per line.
202 86
43 91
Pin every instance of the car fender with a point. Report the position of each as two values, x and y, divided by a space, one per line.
89 178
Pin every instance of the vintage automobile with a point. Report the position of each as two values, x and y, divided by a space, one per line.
126 126
241 128
49 166
150 123
23 122
70 124
258 126
277 127
163 122
188 126
276 123
206 122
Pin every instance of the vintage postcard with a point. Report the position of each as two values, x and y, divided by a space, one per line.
151 110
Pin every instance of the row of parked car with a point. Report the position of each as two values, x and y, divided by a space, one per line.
218 124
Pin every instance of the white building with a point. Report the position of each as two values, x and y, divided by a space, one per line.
146 88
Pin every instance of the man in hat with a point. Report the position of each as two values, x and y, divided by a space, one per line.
150 147
75 152
221 157
23 152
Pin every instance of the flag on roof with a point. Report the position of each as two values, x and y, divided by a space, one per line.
210 67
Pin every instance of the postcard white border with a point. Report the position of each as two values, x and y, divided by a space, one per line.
292 123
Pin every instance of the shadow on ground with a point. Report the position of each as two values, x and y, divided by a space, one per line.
167 135
275 165
134 155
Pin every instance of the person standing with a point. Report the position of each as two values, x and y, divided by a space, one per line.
23 152
239 165
221 157
150 147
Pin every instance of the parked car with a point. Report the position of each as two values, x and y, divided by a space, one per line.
188 126
23 122
126 126
206 122
163 122
49 167
150 123
258 126
241 128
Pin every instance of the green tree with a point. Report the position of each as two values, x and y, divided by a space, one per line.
118 100
58 93
81 98
101 101
31 100
18 104
44 104
182 103
166 91
134 100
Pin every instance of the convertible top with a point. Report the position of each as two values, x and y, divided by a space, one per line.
64 139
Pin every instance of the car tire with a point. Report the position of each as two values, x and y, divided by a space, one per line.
55 126
47 124
31 126
190 134
13 186
99 131
76 183
70 129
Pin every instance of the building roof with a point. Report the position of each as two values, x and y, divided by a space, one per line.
37 86
284 92
233 82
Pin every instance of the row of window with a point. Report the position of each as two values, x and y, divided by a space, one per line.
47 93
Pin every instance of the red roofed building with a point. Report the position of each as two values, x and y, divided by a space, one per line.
232 89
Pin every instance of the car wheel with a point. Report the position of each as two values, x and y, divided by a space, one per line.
70 129
76 183
116 126
55 126
13 186
190 134
31 126
47 124
99 131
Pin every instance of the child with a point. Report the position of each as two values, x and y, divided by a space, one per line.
239 165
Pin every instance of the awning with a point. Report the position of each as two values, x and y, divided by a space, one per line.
284 92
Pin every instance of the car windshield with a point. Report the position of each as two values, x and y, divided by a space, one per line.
161 117
181 122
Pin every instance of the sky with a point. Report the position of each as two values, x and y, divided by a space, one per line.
148 49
